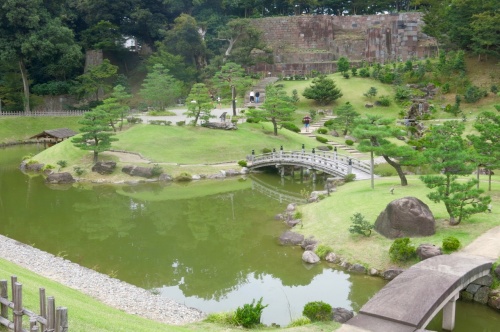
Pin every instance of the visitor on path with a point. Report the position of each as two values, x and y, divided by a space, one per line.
257 95
252 96
489 208
306 120
218 102
391 190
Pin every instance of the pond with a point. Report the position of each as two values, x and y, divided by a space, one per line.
211 245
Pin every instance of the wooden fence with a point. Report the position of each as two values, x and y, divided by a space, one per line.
46 113
50 319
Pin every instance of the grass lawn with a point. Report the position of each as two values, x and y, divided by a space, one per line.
14 129
329 220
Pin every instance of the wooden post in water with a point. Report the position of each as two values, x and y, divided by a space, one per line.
4 309
18 307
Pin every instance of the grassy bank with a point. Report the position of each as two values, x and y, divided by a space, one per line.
329 220
14 129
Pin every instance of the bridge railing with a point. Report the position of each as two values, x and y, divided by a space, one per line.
339 163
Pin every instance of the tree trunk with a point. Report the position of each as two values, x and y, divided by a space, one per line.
196 118
489 180
399 170
95 156
275 126
478 169
26 86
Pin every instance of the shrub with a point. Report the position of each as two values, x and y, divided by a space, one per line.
349 142
473 94
249 315
445 88
291 126
297 215
47 167
450 244
321 139
328 123
402 250
252 120
32 161
299 322
346 75
266 150
384 101
317 311
62 163
157 170
322 131
134 120
402 93
323 250
161 113
183 177
364 72
360 225
180 123
222 318
494 89
329 147
349 177
28 156
78 170
242 163
354 71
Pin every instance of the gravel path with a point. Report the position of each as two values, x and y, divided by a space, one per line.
113 292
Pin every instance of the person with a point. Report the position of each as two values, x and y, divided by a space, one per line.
218 102
391 190
489 208
257 95
306 121
252 96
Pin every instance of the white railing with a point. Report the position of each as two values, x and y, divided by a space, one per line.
46 113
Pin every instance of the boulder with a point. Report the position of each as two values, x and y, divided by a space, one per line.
164 177
293 222
140 171
290 207
494 299
373 272
232 172
486 280
334 133
481 295
310 241
310 257
332 258
466 296
220 125
323 148
342 315
32 167
425 251
60 178
406 217
368 105
291 239
357 268
390 274
104 167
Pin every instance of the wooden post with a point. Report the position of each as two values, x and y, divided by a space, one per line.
43 306
13 280
18 307
4 309
51 314
62 319
33 326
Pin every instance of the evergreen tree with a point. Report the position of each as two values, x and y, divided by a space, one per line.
159 88
199 104
323 90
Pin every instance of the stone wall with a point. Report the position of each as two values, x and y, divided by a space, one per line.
315 41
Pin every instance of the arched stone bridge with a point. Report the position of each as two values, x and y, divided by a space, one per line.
328 162
412 299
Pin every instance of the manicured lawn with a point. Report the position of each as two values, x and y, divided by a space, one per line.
329 219
13 129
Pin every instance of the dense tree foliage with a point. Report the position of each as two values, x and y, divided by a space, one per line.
199 104
323 90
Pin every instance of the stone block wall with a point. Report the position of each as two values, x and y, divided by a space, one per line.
322 39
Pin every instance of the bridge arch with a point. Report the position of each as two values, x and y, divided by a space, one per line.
412 299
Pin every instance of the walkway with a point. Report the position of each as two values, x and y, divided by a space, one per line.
412 299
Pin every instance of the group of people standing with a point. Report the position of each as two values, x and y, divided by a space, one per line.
254 96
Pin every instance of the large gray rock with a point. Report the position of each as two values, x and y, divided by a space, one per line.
406 217
144 172
60 178
291 239
220 125
342 315
332 258
357 268
390 274
426 250
481 295
494 299
164 177
31 167
310 257
104 167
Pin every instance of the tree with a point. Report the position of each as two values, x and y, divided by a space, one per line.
343 65
97 79
346 117
487 144
232 79
175 64
373 133
30 34
96 133
372 92
159 88
449 156
277 108
323 90
199 103
115 106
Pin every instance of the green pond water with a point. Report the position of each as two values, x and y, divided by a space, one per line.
211 245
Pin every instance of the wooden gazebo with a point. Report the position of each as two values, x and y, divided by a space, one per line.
54 136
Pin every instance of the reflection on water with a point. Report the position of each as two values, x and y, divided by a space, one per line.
211 245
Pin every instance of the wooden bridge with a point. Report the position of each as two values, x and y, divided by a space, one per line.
410 301
327 162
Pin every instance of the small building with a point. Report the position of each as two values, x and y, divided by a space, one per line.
54 136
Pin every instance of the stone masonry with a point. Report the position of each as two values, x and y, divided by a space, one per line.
312 42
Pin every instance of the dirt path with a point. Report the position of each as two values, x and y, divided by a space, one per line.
487 245
128 157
